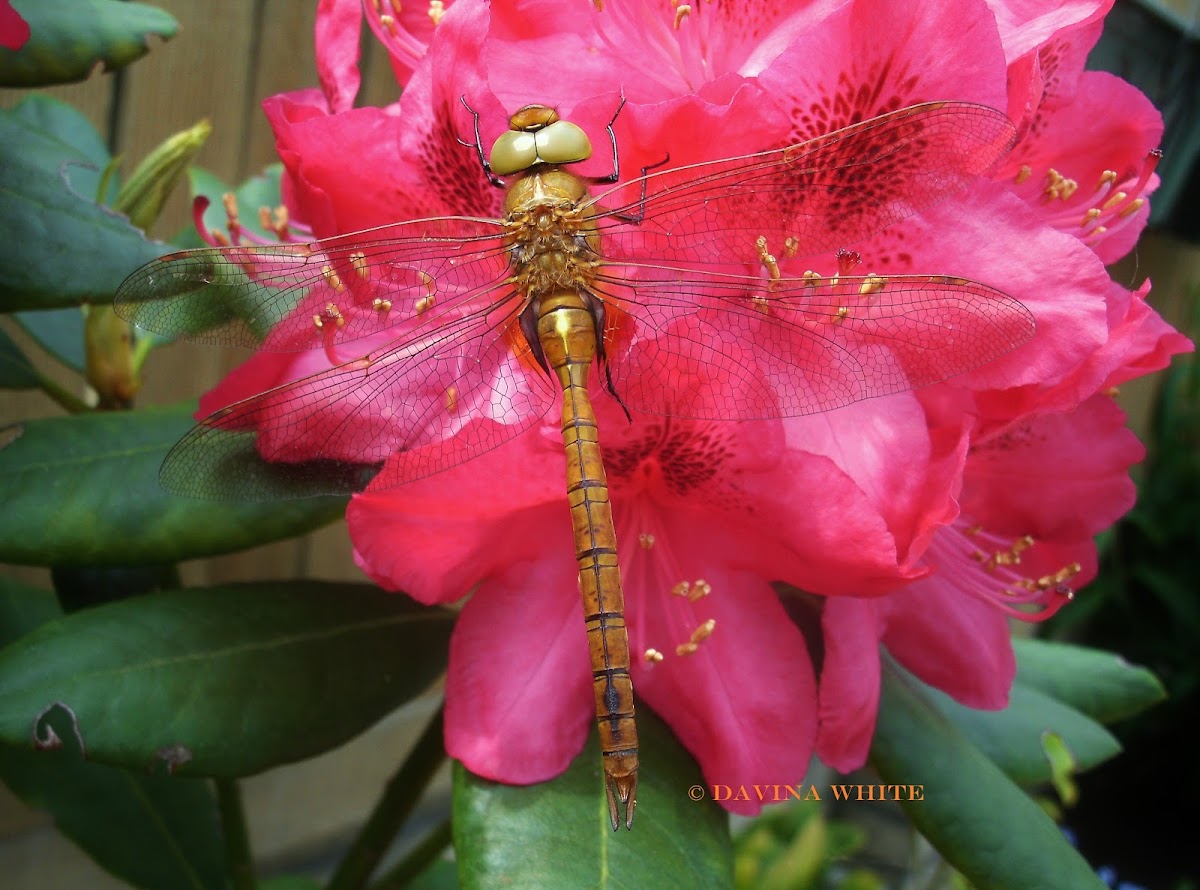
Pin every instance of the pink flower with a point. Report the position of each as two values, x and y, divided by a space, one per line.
1031 502
705 525
867 509
1087 169
14 30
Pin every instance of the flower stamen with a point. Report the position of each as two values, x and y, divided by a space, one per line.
1115 199
693 590
699 635
1002 584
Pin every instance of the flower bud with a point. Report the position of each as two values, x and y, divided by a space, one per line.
142 197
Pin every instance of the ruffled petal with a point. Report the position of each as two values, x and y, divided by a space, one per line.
873 56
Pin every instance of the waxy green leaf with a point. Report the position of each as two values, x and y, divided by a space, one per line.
1100 684
154 832
63 248
1013 738
223 681
83 490
982 823
59 332
566 839
68 40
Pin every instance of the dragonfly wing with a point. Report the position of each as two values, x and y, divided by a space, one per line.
806 199
294 296
428 404
732 347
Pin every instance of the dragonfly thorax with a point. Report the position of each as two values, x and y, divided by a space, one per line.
553 242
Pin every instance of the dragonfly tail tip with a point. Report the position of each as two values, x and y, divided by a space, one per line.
621 790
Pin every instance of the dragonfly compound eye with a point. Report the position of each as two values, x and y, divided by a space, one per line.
560 142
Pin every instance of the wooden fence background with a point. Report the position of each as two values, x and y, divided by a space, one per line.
228 56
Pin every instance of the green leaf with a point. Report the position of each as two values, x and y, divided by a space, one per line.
152 831
70 126
1012 738
983 824
67 41
1100 684
224 681
59 332
83 490
290 882
257 191
16 371
441 875
23 608
62 248
557 833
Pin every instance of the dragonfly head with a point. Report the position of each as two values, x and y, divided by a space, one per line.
536 135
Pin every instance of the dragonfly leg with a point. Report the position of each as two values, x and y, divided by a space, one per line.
478 146
636 218
612 137
597 309
616 174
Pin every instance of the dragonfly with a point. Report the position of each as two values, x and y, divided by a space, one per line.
445 337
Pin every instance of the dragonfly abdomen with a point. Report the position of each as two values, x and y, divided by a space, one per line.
567 334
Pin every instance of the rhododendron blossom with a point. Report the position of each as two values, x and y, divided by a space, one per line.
920 520
14 30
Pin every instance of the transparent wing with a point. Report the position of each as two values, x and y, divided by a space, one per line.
439 373
413 276
419 323
810 198
428 403
732 347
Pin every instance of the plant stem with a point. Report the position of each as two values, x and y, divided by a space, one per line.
403 791
239 860
65 399
418 859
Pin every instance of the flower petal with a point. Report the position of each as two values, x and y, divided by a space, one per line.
872 56
849 690
437 537
744 703
339 23
1035 478
950 640
518 692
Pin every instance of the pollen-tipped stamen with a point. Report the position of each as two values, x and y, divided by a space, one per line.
1003 585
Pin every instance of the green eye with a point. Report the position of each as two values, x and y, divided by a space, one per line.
561 142
513 152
